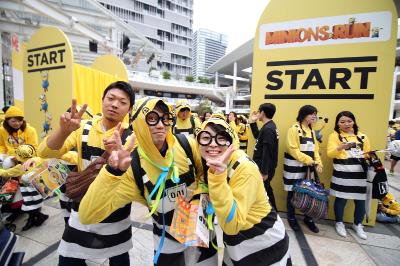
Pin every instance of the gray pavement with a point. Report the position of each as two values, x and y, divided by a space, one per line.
325 248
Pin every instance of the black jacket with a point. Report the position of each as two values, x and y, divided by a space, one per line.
266 148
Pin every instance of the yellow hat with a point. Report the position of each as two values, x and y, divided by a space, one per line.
14 111
24 152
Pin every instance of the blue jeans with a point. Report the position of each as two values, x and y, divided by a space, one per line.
120 260
386 218
359 210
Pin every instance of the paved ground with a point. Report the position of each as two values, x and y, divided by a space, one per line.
325 248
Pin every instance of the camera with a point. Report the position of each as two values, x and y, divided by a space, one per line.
352 145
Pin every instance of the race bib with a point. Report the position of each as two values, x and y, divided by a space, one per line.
356 153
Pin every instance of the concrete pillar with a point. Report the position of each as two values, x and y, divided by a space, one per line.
227 100
216 79
1 74
392 111
234 76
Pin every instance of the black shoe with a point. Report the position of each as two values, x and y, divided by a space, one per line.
294 224
29 224
311 225
40 218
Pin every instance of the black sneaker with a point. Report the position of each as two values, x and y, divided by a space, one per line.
29 224
40 218
294 224
311 225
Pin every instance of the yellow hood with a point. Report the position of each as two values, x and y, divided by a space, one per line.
180 104
143 135
227 127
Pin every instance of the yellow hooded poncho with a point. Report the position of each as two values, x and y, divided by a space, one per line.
239 199
183 126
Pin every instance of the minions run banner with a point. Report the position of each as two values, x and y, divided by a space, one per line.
48 78
335 55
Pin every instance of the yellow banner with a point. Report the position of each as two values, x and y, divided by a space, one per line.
335 55
48 66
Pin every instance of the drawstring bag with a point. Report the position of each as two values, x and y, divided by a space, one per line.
310 196
77 183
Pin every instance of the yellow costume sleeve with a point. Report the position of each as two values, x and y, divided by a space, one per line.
15 171
240 191
333 143
3 148
45 152
293 147
106 194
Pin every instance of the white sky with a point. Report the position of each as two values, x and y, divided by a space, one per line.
236 18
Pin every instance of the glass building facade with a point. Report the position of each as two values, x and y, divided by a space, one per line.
208 47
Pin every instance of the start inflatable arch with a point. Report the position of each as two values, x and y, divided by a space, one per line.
52 79
336 55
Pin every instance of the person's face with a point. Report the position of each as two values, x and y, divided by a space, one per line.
231 117
115 105
212 150
310 119
207 116
346 124
261 115
184 113
158 131
15 123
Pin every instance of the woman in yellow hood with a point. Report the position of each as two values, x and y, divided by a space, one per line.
253 233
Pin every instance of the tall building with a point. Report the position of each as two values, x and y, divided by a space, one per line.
166 23
208 47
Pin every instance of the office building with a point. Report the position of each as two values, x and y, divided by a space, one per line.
208 47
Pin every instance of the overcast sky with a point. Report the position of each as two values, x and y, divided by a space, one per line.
236 18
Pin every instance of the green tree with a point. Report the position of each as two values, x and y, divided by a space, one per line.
204 106
203 80
189 79
166 75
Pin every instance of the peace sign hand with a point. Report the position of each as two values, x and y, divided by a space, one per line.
114 142
120 157
71 121
219 165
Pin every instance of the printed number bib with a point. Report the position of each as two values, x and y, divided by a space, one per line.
356 153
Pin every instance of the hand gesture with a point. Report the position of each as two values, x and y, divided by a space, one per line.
28 164
71 121
219 165
120 157
318 167
111 144
255 115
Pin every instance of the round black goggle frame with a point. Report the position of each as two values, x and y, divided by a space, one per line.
153 118
204 138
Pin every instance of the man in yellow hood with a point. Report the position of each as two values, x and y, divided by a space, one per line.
113 237
161 167
185 122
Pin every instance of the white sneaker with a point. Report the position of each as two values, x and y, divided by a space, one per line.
360 231
340 229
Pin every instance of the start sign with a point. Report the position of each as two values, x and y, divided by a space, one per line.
335 55
46 57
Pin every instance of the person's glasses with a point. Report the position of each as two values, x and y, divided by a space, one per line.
204 138
152 119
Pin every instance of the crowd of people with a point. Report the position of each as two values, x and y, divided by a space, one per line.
163 151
